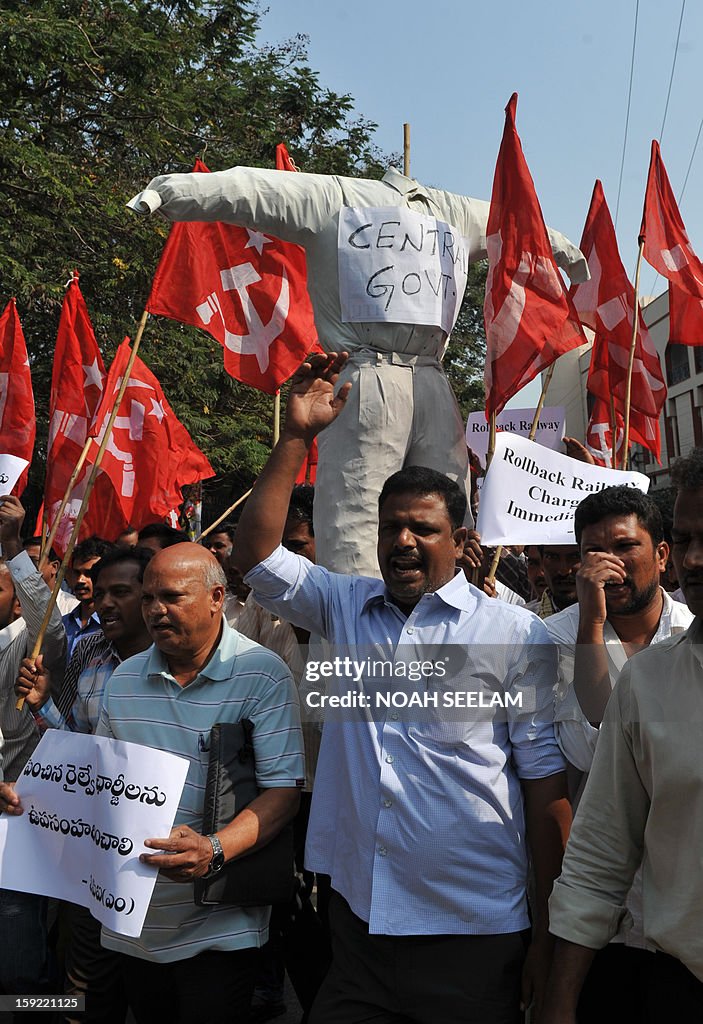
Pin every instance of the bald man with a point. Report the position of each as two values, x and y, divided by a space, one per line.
198 673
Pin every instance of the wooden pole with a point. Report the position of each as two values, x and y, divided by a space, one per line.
406 150
211 527
276 418
44 531
86 497
631 363
533 432
64 501
540 405
614 433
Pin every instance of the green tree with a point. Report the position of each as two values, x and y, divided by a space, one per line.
466 352
95 99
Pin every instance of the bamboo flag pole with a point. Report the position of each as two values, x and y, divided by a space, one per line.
276 417
64 501
531 436
614 432
86 497
44 546
406 150
631 363
211 527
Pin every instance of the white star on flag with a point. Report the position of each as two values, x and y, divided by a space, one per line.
93 374
257 241
157 410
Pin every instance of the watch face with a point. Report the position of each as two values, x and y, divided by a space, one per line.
217 862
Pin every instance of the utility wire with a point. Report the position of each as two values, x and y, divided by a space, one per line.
627 115
673 68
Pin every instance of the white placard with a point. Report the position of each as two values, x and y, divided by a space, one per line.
11 469
398 266
89 804
550 431
530 493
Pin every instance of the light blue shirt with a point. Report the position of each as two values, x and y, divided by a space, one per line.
420 822
143 703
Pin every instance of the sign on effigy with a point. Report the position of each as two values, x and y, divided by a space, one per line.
89 804
399 266
530 494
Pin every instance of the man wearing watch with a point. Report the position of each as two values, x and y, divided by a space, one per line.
198 673
218 858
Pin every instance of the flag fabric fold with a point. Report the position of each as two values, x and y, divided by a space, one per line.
150 455
77 382
246 289
528 314
666 244
18 424
606 304
667 248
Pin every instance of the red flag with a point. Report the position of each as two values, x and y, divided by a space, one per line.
77 382
308 471
685 317
529 318
599 434
248 290
284 161
150 455
666 244
18 425
606 304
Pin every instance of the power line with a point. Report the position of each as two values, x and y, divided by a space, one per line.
690 162
673 68
627 115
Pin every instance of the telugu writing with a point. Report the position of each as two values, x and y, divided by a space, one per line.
77 828
91 784
111 902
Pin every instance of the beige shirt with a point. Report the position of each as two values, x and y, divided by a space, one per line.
643 803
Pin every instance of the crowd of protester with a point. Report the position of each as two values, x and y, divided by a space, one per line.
428 849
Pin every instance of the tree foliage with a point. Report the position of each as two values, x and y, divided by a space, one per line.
98 97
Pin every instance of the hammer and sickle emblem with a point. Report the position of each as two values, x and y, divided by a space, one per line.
260 336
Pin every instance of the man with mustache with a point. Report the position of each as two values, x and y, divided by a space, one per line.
621 608
82 620
642 806
559 565
419 818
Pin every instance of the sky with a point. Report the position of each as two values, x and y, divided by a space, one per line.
449 69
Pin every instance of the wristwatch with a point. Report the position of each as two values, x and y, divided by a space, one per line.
218 857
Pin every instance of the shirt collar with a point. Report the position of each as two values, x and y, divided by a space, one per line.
457 594
407 187
75 615
218 667
694 635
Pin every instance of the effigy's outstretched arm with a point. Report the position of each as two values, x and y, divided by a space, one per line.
295 207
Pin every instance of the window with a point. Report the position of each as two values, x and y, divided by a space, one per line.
677 365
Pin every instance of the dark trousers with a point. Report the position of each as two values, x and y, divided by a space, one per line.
25 967
635 986
418 979
92 971
211 988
